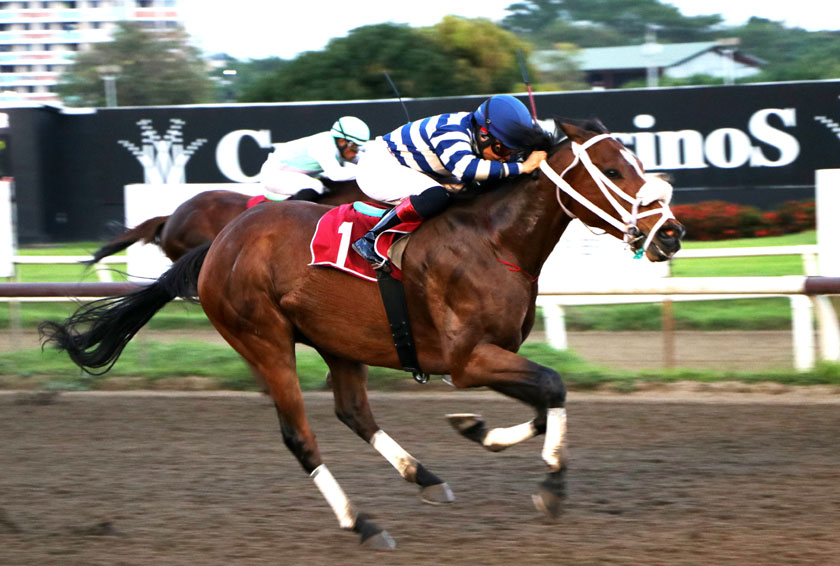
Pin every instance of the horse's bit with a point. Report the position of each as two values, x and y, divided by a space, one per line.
654 189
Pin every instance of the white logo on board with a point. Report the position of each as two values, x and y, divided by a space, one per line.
829 123
164 159
723 148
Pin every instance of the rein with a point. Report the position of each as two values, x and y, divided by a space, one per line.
511 266
653 189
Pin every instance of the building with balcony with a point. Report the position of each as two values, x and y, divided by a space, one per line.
38 39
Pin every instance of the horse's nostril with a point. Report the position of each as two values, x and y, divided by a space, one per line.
667 235
671 233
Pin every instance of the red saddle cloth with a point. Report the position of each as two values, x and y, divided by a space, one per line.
254 201
340 227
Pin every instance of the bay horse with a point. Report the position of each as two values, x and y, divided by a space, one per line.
470 277
199 219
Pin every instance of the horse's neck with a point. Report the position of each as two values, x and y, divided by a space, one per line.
527 223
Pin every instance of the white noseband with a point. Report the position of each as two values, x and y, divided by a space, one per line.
653 190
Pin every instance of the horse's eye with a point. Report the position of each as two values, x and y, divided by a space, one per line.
612 173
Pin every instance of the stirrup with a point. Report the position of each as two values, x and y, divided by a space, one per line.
421 377
365 248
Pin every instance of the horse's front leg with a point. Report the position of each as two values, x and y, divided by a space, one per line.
539 386
473 427
349 382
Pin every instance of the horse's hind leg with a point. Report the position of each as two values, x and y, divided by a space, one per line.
272 357
349 380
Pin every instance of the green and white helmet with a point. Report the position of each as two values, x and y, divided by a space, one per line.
352 129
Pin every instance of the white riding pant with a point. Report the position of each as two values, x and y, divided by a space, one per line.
280 183
383 178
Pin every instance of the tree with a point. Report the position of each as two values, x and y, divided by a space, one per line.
151 68
621 22
790 54
787 54
482 54
353 67
455 57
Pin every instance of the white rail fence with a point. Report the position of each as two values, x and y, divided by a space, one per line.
808 297
103 269
610 278
558 290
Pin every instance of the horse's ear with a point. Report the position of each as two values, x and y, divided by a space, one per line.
572 131
579 130
598 126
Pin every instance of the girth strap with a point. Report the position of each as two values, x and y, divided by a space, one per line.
396 308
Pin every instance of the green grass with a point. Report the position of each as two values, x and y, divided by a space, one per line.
71 248
730 314
66 273
152 361
174 316
801 238
744 266
61 272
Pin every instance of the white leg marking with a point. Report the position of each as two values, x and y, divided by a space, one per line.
404 462
334 495
500 438
555 436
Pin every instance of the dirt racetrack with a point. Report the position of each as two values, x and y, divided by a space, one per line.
204 480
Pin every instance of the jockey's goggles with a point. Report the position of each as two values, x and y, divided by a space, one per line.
495 145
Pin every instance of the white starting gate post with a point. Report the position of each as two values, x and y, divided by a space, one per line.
828 245
582 255
7 234
828 228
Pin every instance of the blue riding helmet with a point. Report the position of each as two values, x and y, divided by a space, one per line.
506 118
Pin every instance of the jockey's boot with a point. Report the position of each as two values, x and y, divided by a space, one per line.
305 194
365 245
415 208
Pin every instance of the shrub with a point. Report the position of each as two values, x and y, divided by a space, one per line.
719 220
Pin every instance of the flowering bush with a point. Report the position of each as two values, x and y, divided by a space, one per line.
719 220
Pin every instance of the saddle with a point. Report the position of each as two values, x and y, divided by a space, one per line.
330 246
345 224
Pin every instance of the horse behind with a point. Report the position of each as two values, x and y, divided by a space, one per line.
199 219
470 277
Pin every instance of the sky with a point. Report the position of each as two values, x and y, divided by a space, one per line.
257 29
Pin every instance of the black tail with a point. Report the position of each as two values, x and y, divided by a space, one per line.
108 324
147 232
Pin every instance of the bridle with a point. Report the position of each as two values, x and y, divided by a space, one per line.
654 189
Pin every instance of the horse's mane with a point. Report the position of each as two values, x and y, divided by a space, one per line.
535 139
538 139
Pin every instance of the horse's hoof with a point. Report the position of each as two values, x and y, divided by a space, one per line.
547 503
380 541
549 499
372 536
438 494
469 425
